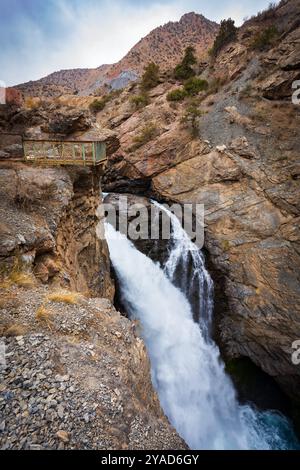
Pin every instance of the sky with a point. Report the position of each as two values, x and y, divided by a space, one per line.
38 37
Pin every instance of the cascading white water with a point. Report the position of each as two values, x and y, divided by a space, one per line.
197 283
194 390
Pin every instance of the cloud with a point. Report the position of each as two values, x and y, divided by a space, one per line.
104 35
40 37
93 34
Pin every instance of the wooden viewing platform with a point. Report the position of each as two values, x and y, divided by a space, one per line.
62 152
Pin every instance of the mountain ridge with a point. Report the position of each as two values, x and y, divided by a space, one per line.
164 45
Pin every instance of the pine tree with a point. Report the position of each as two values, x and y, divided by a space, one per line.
184 70
226 34
150 77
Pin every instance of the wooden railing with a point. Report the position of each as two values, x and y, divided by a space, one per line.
55 152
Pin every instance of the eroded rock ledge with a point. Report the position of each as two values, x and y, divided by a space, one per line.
47 224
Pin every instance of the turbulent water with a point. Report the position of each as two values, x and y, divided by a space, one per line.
194 390
185 268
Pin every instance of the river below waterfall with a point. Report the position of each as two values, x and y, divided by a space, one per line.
188 374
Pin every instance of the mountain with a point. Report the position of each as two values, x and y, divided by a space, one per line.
164 45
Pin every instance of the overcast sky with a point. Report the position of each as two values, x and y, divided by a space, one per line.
38 37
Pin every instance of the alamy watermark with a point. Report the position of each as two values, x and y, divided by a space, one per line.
296 93
296 353
155 222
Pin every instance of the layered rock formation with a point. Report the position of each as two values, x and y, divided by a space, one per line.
239 159
75 374
48 224
244 168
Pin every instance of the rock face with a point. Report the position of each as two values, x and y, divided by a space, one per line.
239 158
244 168
141 213
76 377
70 122
48 224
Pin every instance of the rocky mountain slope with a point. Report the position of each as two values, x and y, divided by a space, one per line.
233 147
244 167
164 46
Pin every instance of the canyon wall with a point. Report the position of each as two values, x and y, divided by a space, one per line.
48 225
76 373
240 158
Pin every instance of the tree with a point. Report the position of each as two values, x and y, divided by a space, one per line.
189 56
184 69
150 77
226 34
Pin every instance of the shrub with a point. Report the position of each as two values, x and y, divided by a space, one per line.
147 133
17 275
97 105
140 101
270 12
194 85
225 245
265 38
226 34
177 95
22 279
215 84
32 103
191 119
150 77
184 70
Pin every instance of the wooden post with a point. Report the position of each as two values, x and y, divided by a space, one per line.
83 153
94 156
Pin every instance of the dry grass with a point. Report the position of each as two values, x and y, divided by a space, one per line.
43 315
21 279
14 330
65 297
32 103
18 276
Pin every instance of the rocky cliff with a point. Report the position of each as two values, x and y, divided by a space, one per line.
48 219
243 166
233 147
74 372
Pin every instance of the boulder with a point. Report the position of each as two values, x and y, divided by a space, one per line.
68 122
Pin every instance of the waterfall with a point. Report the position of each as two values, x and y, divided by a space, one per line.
194 391
183 254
